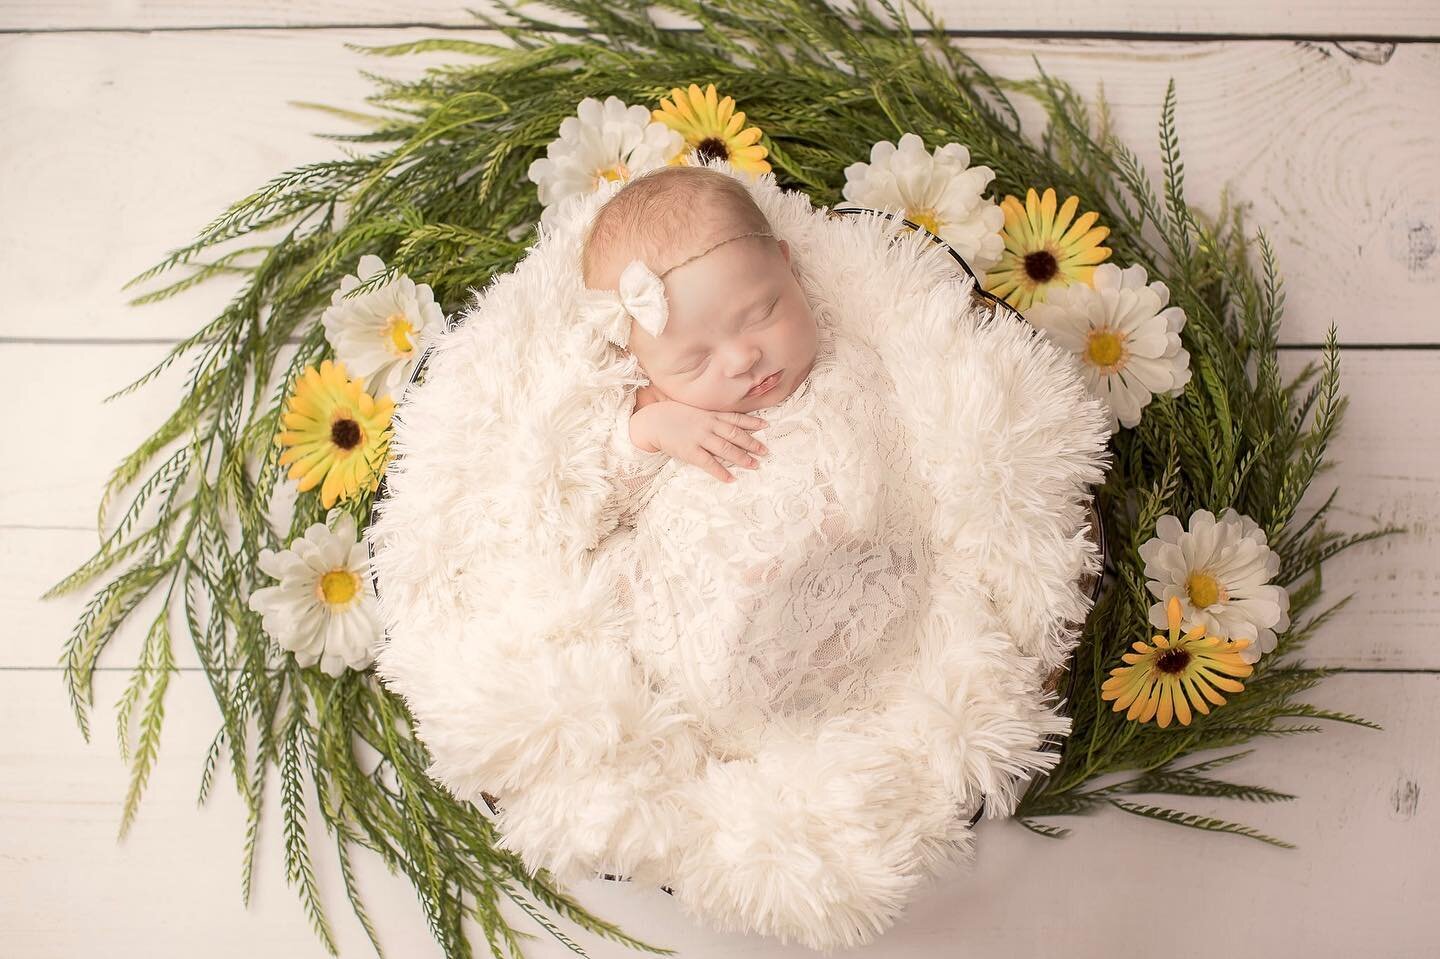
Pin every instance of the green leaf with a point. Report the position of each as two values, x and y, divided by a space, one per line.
1195 821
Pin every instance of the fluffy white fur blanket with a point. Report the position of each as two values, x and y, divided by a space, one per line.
505 638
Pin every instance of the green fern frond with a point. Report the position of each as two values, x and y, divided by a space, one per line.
1195 821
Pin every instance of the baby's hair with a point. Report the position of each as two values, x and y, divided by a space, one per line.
654 213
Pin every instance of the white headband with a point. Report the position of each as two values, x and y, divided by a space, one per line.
641 297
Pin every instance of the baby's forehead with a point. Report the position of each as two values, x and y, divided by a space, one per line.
692 316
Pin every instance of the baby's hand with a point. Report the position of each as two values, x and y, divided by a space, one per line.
645 395
697 436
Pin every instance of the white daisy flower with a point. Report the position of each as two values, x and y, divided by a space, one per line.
377 334
1220 570
940 192
609 141
1127 340
324 606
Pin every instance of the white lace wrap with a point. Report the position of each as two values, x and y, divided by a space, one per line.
781 697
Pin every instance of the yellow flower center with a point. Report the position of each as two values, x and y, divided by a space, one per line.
617 172
924 217
398 328
339 586
1204 590
1104 349
345 433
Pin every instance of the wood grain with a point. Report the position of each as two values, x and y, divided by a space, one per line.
1339 157
1328 18
1357 885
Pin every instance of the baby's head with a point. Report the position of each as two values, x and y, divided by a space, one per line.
737 313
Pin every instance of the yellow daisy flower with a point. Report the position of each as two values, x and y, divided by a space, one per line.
335 432
1040 253
1170 675
712 129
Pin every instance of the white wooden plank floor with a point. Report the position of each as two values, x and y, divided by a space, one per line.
124 127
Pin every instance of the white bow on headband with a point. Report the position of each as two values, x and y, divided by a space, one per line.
641 296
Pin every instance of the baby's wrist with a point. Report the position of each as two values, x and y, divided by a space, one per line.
639 436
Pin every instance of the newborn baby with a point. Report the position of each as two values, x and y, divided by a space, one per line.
782 600
739 334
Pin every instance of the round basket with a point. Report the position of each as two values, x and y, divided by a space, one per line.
1090 584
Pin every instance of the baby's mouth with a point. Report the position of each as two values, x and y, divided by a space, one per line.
765 384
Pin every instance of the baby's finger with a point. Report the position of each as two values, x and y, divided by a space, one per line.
712 466
743 420
751 443
733 433
721 446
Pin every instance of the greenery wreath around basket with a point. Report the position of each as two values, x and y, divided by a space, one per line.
1190 645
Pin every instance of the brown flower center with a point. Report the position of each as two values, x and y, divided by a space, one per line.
1172 660
1040 266
711 148
345 433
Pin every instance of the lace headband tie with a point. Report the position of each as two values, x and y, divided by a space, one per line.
641 297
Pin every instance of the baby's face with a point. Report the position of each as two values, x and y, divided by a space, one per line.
736 316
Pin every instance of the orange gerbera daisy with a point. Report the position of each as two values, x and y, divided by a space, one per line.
712 128
1167 677
1040 253
335 433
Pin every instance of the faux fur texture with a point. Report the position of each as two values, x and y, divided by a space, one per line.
503 639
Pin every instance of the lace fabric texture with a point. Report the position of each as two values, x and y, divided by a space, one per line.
632 471
791 595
